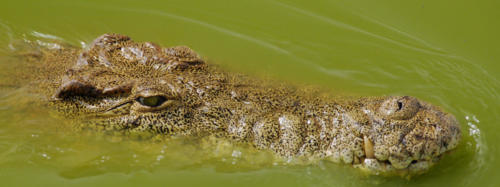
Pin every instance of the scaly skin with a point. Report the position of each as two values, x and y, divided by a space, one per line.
118 84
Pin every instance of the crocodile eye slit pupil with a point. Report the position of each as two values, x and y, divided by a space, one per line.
152 101
400 105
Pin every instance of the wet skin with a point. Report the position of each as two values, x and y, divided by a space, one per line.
117 84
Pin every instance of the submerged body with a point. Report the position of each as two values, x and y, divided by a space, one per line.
118 84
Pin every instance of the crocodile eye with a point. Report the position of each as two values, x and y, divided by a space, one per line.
152 101
400 108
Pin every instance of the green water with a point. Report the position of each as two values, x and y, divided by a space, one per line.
443 52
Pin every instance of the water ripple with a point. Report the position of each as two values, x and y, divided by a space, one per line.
210 26
5 30
356 29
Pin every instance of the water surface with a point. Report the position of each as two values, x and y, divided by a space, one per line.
443 52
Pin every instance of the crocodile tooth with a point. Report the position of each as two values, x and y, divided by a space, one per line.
368 145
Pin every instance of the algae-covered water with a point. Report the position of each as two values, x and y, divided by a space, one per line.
445 52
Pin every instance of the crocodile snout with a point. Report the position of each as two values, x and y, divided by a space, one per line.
407 135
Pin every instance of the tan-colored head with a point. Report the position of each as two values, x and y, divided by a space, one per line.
406 135
120 84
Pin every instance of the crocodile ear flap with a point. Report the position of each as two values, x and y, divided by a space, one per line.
76 88
118 90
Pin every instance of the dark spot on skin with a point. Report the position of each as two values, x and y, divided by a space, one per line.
188 115
419 137
402 138
445 144
413 162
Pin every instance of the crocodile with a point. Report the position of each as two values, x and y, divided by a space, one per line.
117 84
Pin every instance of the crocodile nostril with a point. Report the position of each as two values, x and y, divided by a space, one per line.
400 105
399 108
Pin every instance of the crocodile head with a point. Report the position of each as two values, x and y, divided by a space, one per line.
406 135
121 84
